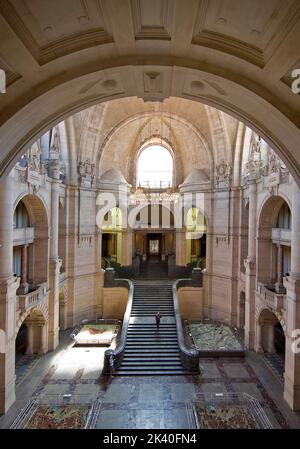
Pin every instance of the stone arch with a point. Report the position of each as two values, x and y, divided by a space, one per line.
268 121
267 321
38 250
37 330
170 141
154 141
270 201
266 250
41 309
36 207
278 315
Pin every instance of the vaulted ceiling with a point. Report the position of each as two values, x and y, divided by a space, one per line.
62 56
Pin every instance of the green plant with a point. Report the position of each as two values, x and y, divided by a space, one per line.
201 263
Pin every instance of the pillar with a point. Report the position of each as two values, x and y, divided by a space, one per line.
43 337
180 247
163 247
144 247
54 268
30 338
127 243
270 338
292 285
63 315
279 285
259 345
8 288
24 286
250 264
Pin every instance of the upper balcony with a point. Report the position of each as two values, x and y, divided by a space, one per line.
282 236
271 299
23 236
32 299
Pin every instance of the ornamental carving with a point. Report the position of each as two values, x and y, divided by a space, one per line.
223 174
86 171
253 167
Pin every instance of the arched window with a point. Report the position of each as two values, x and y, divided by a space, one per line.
21 217
284 217
155 167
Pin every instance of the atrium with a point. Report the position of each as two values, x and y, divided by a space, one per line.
149 162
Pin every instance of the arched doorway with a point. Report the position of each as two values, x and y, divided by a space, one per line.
270 334
31 341
153 224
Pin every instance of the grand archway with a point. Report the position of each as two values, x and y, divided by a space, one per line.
244 69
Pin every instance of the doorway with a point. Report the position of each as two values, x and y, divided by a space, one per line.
154 247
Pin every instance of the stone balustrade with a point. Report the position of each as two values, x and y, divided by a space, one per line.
32 299
23 236
281 235
272 299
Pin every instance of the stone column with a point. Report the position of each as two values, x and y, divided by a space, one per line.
30 338
259 346
24 286
271 337
145 247
43 341
8 288
250 264
163 255
63 315
279 285
54 266
292 285
180 247
127 247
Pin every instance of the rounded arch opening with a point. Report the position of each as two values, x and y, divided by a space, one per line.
274 243
155 167
30 245
271 335
241 104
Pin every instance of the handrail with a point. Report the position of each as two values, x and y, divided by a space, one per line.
188 357
118 352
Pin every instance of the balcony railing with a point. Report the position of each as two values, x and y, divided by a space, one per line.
32 299
281 235
272 299
23 236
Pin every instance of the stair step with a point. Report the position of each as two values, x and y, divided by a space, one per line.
150 351
150 371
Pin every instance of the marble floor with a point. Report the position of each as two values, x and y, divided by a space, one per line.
156 402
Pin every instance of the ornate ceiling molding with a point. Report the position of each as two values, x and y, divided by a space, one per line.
57 47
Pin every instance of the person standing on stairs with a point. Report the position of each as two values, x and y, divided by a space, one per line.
157 319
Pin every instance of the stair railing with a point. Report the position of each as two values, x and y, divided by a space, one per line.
189 357
114 357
